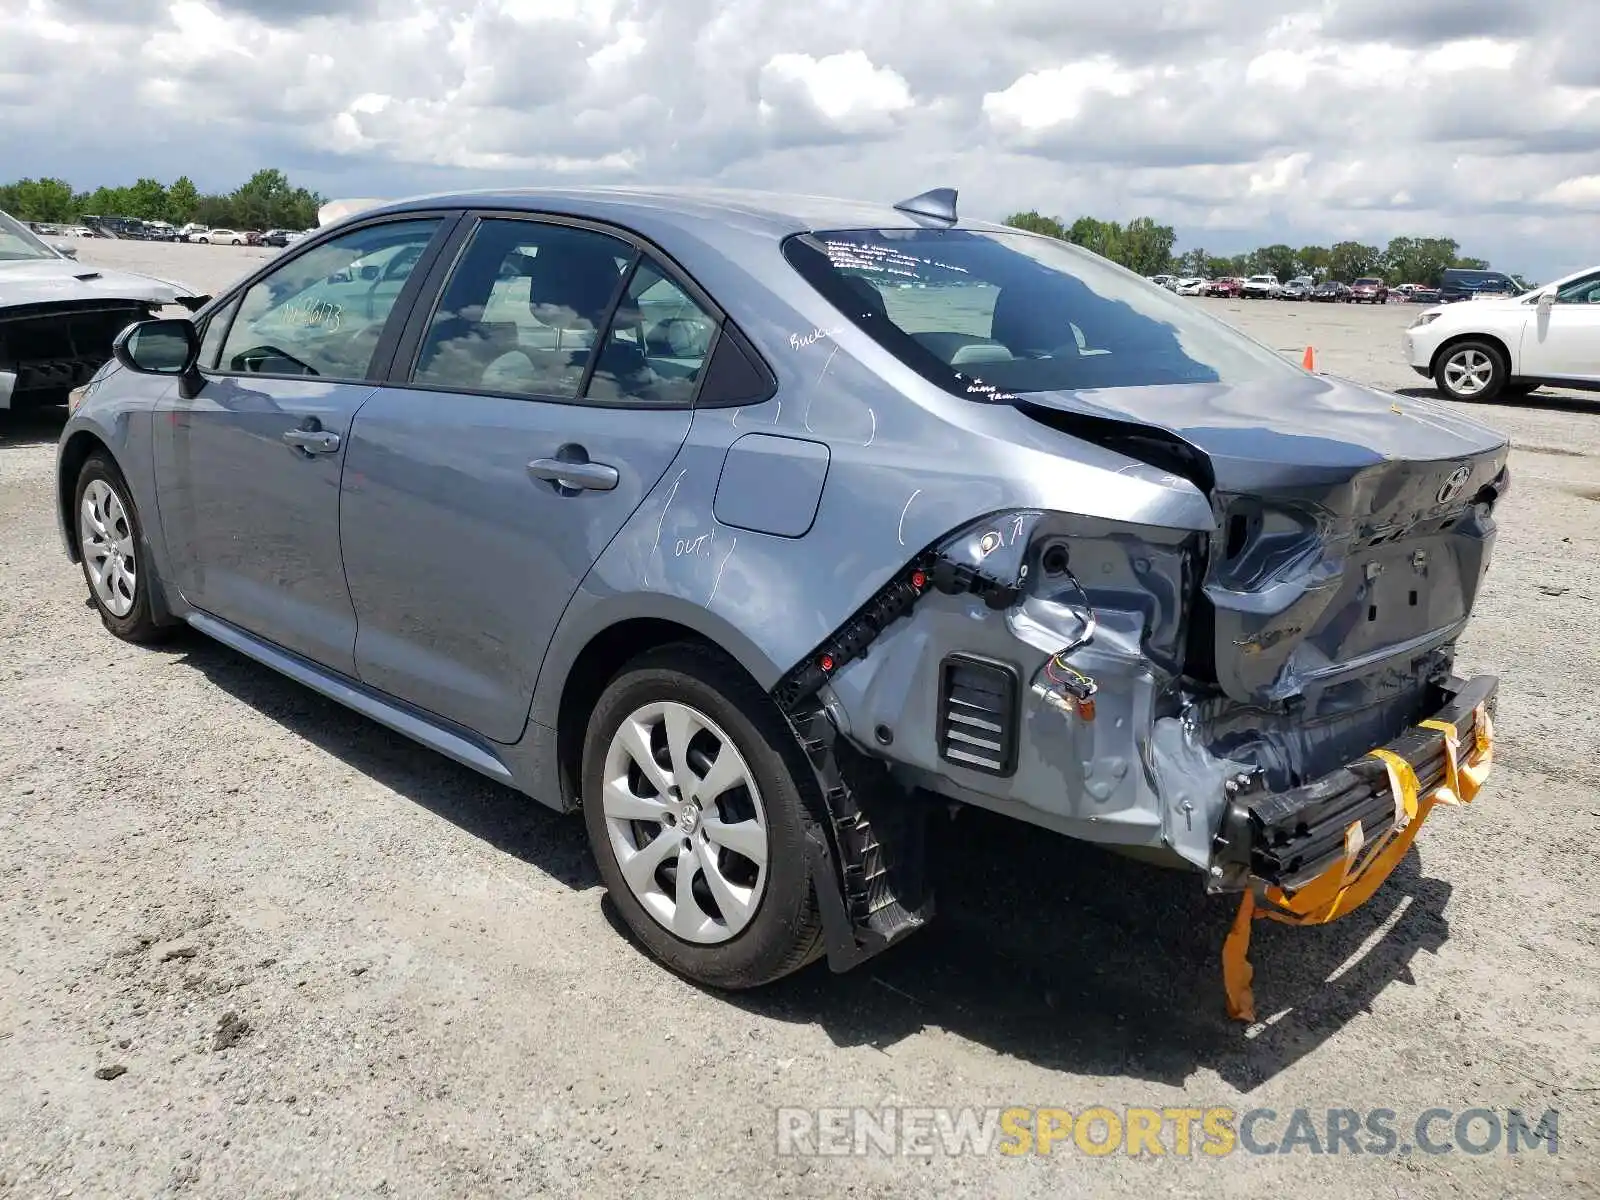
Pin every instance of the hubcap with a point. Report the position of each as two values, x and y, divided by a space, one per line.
685 821
1468 372
106 538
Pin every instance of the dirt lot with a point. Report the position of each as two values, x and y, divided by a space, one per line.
429 998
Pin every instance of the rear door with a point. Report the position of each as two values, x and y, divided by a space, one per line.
247 468
530 413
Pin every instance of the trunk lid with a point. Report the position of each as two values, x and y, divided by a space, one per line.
1353 526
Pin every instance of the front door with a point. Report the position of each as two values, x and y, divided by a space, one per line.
1564 342
477 498
248 468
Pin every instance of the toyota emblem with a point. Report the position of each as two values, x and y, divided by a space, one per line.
1455 485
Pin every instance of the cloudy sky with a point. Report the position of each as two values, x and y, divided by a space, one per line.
1238 121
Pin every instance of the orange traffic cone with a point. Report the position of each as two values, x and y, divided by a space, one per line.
1310 361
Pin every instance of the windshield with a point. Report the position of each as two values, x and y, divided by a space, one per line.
991 315
17 242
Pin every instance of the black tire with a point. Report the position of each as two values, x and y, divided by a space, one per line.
785 933
1457 351
138 624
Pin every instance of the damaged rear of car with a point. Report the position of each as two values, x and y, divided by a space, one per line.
1268 697
58 318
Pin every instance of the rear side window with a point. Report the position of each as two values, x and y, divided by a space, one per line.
523 310
656 346
990 315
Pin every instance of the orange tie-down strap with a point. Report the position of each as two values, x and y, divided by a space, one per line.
1351 881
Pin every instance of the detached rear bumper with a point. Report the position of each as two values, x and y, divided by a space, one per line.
1287 840
1313 854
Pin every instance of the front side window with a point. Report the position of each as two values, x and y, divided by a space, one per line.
1580 291
523 310
216 328
323 312
990 315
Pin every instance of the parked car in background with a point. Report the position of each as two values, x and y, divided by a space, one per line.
1400 293
1166 281
1224 287
1330 291
660 408
1369 289
186 233
220 237
1191 285
1298 288
58 319
1261 287
1423 294
1509 345
1458 283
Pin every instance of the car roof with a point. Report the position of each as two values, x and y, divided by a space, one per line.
777 214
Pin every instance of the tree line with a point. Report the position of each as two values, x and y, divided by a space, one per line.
267 200
1148 248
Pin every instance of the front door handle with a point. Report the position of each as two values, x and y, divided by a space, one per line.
312 441
576 476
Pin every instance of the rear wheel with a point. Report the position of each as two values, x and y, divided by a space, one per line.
1472 371
696 820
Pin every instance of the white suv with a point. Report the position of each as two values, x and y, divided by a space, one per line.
1511 345
1259 287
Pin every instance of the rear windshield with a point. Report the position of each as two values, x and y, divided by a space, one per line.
1368 281
992 315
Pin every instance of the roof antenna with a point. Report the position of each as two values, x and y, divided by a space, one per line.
940 204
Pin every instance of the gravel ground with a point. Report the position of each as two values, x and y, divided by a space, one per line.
318 960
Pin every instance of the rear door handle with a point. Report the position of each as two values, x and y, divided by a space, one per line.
590 476
312 441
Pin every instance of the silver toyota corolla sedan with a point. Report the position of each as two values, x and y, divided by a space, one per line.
760 528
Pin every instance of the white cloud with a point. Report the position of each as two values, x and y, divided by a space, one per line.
1041 99
1238 121
845 89
1582 192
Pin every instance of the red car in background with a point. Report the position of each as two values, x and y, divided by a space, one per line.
1369 290
1225 287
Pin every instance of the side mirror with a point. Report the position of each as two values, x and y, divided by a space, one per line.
1546 303
165 347
65 248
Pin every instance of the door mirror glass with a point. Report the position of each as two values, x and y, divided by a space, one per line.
66 249
168 347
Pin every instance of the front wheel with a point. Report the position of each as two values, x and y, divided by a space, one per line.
111 547
692 802
1472 371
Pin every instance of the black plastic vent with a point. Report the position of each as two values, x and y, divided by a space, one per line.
978 714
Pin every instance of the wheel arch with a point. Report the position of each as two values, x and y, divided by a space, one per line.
75 451
585 658
1498 344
